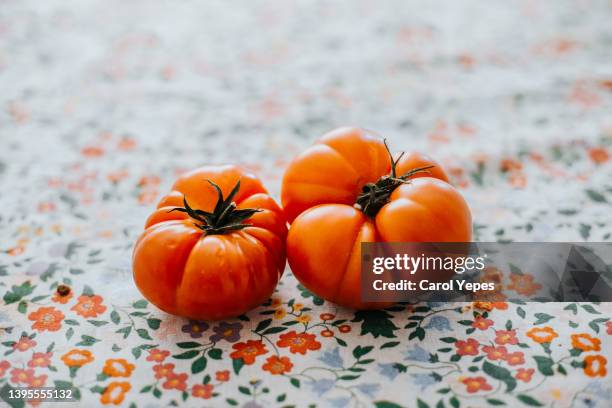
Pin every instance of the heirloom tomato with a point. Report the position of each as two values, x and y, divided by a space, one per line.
347 189
214 247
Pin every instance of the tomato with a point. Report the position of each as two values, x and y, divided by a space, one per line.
212 249
347 189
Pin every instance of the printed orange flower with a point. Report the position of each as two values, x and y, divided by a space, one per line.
222 376
516 358
118 367
507 165
297 307
475 384
21 376
62 294
345 328
277 365
37 382
505 337
303 319
202 390
585 342
46 318
4 366
280 313
175 382
126 143
599 155
327 316
481 323
248 351
298 343
115 393
92 151
595 366
62 299
495 352
40 360
89 306
523 284
157 355
163 370
467 347
24 343
542 334
77 358
524 374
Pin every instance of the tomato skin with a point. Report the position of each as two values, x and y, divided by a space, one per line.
324 240
185 272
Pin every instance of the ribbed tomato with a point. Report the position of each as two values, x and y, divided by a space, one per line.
215 246
347 189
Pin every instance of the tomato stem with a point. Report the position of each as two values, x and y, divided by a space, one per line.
224 218
374 196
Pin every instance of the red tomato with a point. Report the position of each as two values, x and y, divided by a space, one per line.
211 250
347 189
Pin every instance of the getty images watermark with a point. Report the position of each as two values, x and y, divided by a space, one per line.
486 271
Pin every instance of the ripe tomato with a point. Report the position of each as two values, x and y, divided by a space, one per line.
211 250
347 189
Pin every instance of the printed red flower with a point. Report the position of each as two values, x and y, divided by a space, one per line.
89 306
524 374
609 327
40 360
595 366
46 318
488 306
4 366
222 376
24 343
516 358
163 370
475 384
345 328
21 376
157 355
298 343
277 365
467 347
248 351
327 316
481 323
175 382
37 382
495 352
202 390
542 334
505 337
585 342
327 333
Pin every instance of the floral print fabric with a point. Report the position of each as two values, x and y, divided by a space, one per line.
104 103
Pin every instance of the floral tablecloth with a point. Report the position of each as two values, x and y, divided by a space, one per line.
103 103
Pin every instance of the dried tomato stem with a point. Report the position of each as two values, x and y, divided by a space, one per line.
224 218
374 196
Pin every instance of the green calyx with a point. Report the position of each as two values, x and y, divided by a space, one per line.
224 218
374 196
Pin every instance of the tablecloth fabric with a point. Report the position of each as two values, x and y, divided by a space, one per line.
104 103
